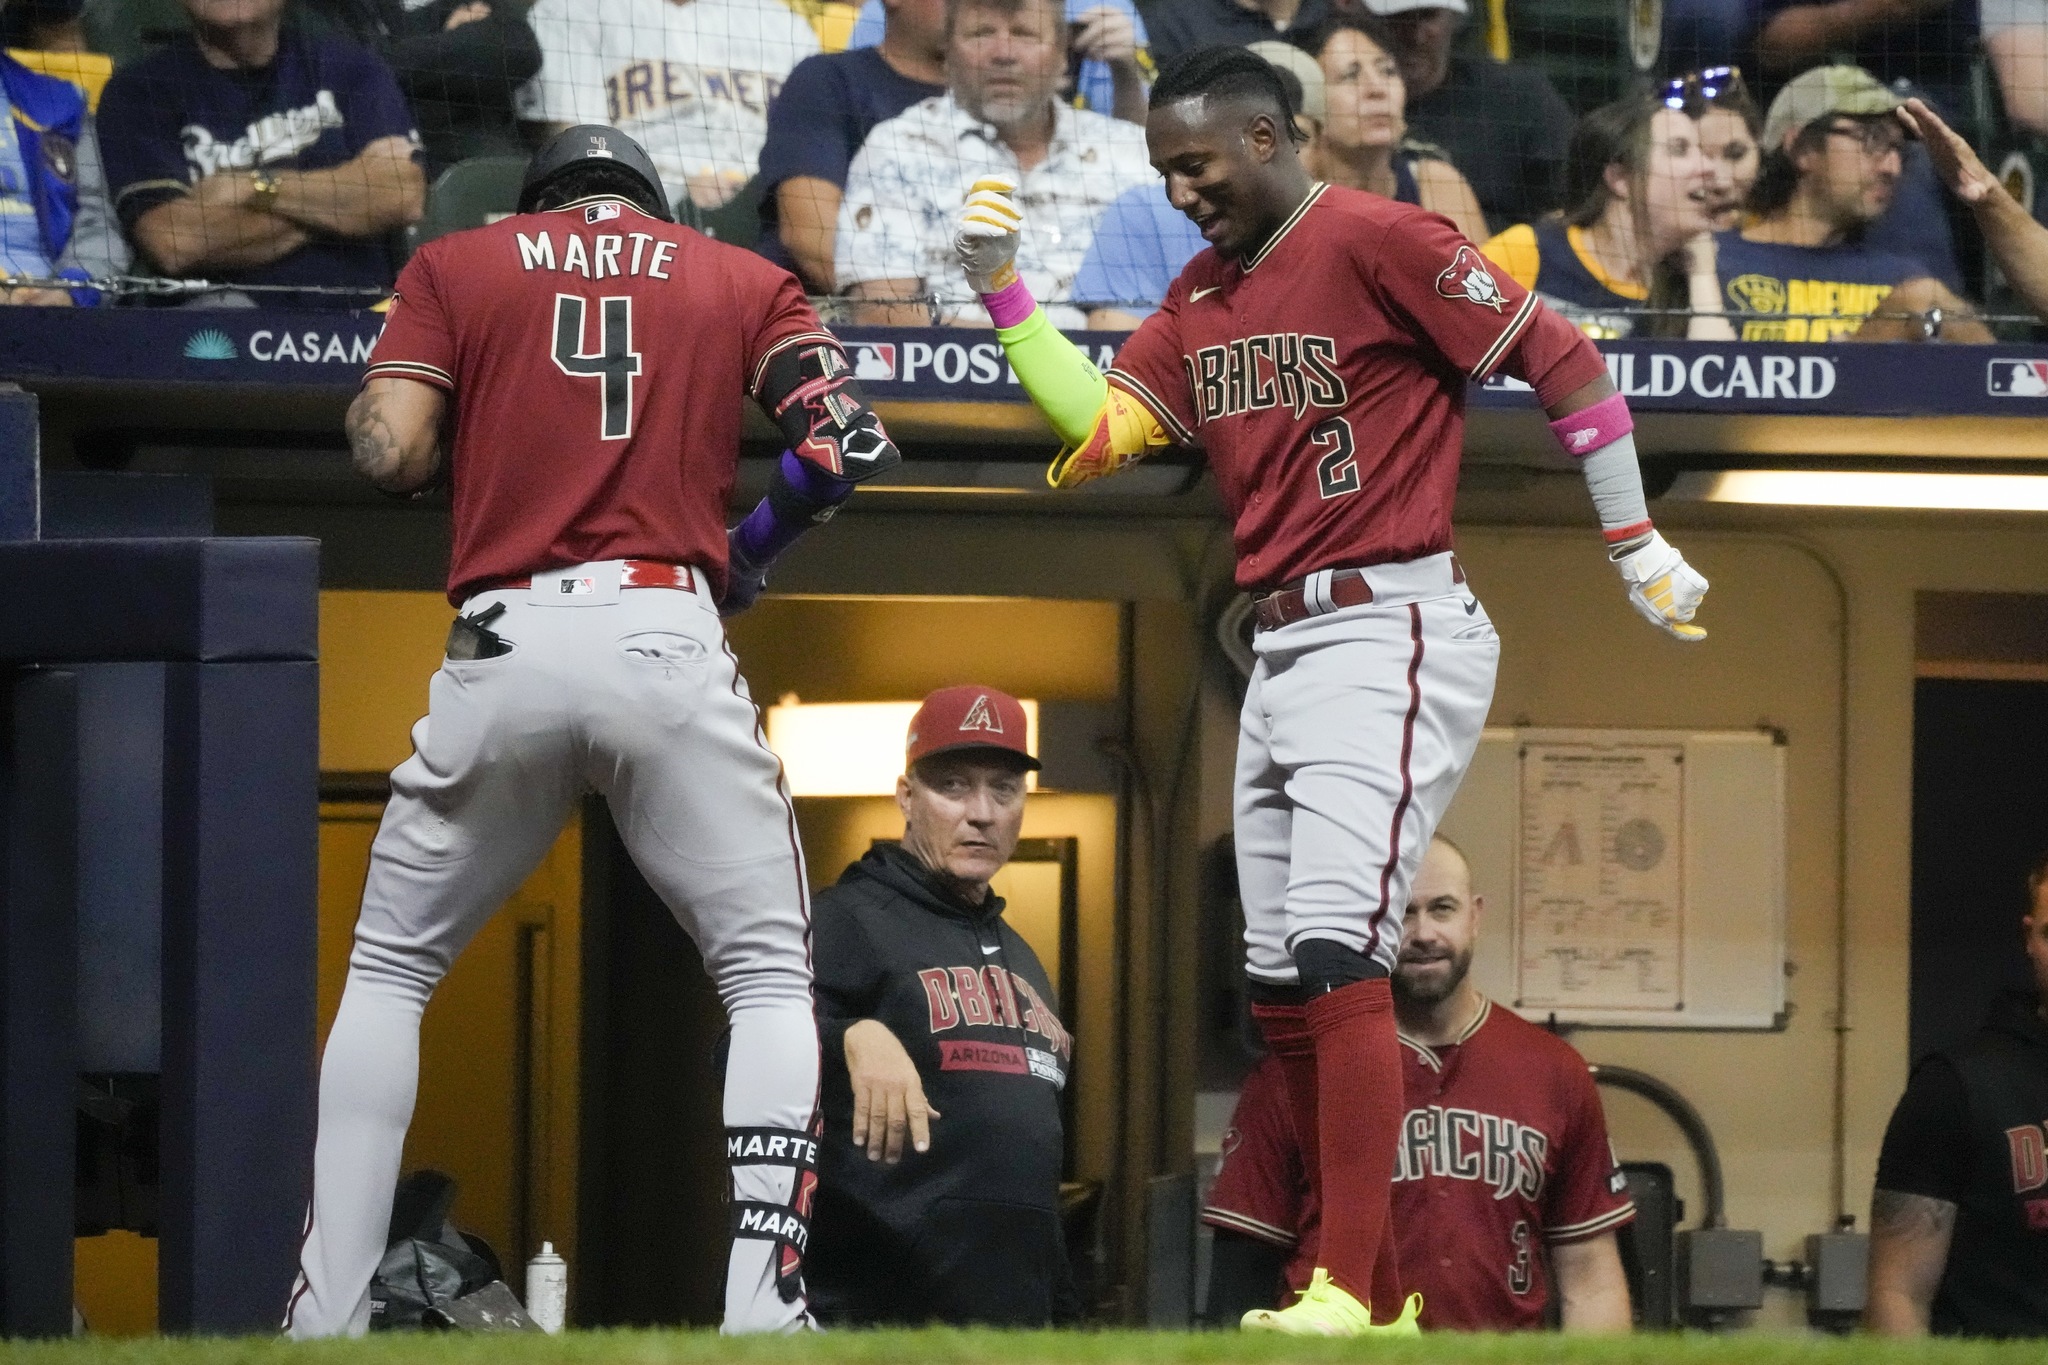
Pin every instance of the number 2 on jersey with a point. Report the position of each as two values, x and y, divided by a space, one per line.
615 361
1337 471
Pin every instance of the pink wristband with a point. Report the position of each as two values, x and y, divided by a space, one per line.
1594 428
1009 305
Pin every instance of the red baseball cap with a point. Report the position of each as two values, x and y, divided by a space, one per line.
967 718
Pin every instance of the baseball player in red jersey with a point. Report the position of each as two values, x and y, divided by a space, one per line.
593 354
1504 1175
1318 352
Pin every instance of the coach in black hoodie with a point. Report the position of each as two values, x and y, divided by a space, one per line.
938 1195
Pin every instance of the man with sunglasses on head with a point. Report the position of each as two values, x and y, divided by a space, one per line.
1800 269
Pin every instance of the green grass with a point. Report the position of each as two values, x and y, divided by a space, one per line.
1014 1348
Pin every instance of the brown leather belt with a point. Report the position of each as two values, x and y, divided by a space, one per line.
1289 602
633 573
1285 605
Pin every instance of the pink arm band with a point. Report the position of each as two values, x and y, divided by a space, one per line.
1590 429
1009 305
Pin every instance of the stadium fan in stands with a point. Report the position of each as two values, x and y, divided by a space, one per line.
1501 123
1107 56
43 25
1001 117
1958 1246
1649 179
458 61
1181 26
691 83
54 219
1800 269
825 112
1143 241
1365 143
2015 240
2015 34
944 1054
1486 1251
251 152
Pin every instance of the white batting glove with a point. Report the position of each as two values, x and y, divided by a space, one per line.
1663 587
986 235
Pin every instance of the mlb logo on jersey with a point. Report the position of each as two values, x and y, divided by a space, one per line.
876 360
597 213
577 587
2017 378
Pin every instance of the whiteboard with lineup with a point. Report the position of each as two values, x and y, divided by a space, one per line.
1633 878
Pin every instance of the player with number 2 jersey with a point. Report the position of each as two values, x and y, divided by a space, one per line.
593 354
1318 354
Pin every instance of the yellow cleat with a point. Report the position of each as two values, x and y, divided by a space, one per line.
1324 1310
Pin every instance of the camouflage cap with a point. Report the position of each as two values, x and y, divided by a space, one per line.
1820 93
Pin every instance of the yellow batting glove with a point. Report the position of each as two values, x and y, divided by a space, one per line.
1663 587
986 235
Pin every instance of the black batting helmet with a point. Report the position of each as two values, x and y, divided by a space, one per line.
580 146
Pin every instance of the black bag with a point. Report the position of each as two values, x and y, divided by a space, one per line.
429 1264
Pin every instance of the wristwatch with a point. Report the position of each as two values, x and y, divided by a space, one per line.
263 188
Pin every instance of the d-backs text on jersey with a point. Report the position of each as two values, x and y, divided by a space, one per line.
1464 1144
1276 370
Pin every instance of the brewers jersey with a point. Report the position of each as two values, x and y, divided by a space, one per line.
572 383
690 82
1504 1149
1334 430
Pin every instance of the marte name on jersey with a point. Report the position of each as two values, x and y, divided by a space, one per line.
1276 370
1464 1144
608 254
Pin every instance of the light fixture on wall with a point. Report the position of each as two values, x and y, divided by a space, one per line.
1867 488
850 748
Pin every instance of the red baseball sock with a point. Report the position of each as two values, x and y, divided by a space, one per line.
1358 1120
1286 1032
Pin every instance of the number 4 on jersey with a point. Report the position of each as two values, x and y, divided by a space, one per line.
615 362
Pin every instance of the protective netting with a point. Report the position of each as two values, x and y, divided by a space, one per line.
1779 170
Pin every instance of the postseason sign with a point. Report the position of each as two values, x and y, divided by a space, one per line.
116 346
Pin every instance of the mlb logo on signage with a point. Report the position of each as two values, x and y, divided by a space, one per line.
2018 378
874 360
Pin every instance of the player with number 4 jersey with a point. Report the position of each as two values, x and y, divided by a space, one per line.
1318 354
574 374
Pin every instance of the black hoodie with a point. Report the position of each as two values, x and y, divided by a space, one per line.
969 1230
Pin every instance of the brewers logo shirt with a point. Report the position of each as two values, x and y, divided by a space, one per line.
171 120
907 184
595 358
1325 379
1825 292
1504 1150
691 83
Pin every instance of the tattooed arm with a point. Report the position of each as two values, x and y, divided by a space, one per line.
1909 1239
394 433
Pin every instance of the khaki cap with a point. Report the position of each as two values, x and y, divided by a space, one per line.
1820 93
1303 68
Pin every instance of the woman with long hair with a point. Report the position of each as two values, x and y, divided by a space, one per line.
1649 179
1365 145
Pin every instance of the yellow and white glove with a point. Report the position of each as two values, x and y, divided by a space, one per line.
1663 587
986 233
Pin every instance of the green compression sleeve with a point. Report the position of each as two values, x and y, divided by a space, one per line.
1061 380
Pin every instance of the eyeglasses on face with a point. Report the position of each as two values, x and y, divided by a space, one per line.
1877 138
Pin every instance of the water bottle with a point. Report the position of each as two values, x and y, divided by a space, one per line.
547 1290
